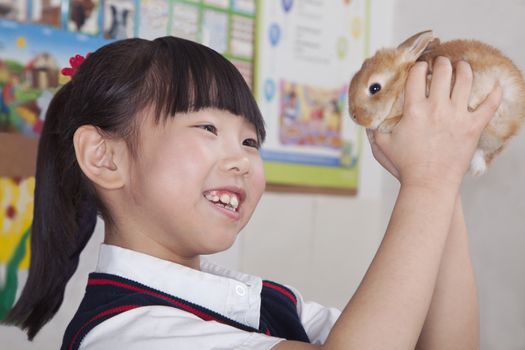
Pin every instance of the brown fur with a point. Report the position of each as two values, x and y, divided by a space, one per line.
390 68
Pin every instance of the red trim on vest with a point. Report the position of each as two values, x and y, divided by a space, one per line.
281 290
181 305
102 314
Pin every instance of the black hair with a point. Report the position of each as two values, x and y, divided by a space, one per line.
111 88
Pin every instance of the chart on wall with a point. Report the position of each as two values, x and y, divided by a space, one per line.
307 51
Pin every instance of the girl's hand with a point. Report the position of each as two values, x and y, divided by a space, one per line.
435 140
380 156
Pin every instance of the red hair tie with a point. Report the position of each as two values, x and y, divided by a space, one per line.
75 62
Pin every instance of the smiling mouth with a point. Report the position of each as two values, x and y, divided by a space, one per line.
224 199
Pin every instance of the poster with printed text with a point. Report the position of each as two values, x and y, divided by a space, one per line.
307 52
226 26
154 15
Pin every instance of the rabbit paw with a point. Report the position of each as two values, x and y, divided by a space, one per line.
478 165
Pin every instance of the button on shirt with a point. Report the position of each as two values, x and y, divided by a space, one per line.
232 294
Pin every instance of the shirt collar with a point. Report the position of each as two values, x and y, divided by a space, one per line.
232 294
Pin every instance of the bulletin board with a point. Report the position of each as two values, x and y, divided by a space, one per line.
37 38
307 52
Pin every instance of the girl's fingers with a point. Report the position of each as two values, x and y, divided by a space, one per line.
370 134
463 84
379 155
441 79
486 110
381 137
416 82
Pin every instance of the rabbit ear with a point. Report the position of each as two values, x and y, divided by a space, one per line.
417 44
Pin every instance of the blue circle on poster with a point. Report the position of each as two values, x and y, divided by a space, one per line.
275 34
269 89
287 5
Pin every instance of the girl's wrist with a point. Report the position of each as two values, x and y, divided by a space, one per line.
437 184
439 178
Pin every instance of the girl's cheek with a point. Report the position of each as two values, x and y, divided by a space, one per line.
258 174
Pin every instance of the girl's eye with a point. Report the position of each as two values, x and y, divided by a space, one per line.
208 127
251 143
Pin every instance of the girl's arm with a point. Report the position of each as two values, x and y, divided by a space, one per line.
453 318
430 149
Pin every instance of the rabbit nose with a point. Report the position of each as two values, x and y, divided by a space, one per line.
354 117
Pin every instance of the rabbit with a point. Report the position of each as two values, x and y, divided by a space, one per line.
376 91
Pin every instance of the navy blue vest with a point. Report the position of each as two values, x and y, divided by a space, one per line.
108 295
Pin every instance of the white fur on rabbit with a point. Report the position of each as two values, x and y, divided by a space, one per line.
376 92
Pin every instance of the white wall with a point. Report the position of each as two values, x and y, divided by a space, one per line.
495 203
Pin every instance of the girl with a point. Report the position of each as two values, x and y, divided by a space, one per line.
161 139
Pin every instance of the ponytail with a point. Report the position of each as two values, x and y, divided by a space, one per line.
64 218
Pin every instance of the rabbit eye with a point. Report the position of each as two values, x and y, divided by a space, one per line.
374 88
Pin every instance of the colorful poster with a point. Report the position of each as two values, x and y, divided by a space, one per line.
306 59
31 57
16 215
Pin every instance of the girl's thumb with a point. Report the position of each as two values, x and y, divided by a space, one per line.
381 138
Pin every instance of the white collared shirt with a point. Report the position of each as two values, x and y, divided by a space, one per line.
232 294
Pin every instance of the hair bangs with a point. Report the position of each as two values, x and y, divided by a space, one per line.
207 81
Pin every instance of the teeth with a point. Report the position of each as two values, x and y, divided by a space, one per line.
234 202
228 201
225 198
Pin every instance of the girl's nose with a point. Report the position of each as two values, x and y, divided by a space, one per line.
238 164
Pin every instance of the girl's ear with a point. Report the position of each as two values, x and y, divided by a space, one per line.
100 158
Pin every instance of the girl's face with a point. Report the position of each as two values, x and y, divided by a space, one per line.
195 184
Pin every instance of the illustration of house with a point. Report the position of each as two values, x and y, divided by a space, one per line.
42 72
